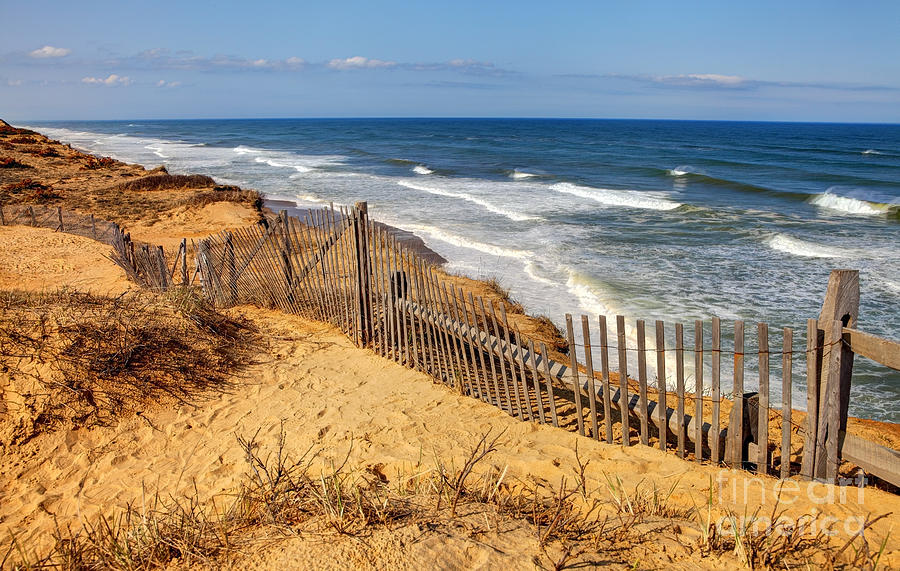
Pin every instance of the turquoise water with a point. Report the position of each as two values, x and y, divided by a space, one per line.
663 220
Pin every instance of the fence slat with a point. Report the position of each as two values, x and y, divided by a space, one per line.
535 378
642 381
786 390
589 367
604 366
623 380
679 387
661 405
506 395
698 391
716 391
762 430
813 356
576 384
736 428
550 395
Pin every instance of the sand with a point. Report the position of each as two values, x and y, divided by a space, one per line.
348 403
38 259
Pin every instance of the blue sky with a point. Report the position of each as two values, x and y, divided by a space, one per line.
795 61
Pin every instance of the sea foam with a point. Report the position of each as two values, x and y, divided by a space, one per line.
463 242
422 169
519 175
512 215
612 197
798 247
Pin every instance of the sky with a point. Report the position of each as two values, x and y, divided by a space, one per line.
769 61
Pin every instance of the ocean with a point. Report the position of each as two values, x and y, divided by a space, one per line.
669 220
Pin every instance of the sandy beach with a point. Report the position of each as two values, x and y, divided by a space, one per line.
389 431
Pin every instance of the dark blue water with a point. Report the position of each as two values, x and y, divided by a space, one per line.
667 220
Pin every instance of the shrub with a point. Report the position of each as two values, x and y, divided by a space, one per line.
95 163
10 163
168 182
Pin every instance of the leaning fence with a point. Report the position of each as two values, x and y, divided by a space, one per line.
337 266
144 264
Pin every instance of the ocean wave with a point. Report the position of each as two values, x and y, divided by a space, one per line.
683 170
514 216
798 247
422 169
872 152
531 270
849 205
157 150
463 242
612 197
519 175
274 163
244 150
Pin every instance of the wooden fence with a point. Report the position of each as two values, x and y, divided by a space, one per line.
144 264
338 267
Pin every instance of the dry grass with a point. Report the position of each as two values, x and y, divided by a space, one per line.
281 496
501 293
167 181
79 359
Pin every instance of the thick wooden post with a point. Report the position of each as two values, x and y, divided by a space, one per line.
841 304
184 271
360 238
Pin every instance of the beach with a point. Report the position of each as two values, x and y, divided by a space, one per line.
375 419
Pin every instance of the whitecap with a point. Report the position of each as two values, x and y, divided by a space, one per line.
612 197
514 216
277 164
463 242
872 152
422 169
847 205
798 247
519 175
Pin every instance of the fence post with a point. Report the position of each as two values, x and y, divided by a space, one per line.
184 272
59 217
33 220
360 235
2 217
230 269
841 304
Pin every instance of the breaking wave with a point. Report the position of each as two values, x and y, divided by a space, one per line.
612 197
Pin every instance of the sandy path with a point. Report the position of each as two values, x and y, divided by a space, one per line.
339 399
39 259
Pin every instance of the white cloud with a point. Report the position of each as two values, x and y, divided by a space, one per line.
295 61
164 83
359 62
14 82
702 80
111 80
49 52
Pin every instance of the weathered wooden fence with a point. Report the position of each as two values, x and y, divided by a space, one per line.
337 266
144 264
